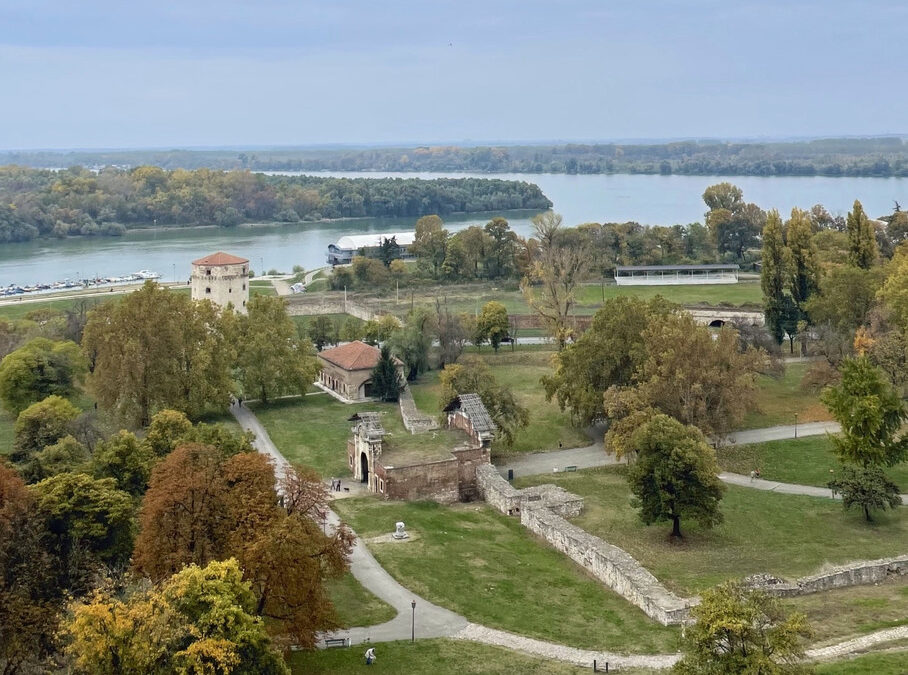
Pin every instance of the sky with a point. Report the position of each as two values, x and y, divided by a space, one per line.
194 73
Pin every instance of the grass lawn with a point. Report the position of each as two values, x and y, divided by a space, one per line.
804 460
313 430
355 605
261 288
786 535
740 294
888 663
303 321
427 657
848 612
520 370
19 310
778 399
490 569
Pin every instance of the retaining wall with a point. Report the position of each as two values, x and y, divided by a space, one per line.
857 573
303 305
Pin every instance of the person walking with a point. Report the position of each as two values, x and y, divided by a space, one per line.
370 656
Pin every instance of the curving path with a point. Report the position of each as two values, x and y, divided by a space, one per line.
433 621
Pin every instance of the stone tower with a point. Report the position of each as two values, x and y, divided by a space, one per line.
221 278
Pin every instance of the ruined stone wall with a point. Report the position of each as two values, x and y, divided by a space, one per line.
438 481
611 565
469 460
858 573
496 491
305 305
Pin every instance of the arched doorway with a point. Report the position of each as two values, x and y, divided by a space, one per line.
364 468
716 323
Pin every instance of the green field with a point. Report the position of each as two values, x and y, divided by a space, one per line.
521 370
428 657
313 430
762 532
303 321
355 605
889 663
261 288
490 569
847 612
778 399
808 461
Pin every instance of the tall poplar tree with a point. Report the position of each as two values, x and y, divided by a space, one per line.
805 267
862 250
775 275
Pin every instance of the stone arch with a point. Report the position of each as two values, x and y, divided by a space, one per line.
717 323
364 468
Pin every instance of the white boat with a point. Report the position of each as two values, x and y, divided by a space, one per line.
147 274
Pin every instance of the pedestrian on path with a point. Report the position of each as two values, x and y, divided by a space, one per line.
753 474
370 656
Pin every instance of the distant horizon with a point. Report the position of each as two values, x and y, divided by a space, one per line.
464 143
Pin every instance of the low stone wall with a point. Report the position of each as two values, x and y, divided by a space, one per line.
305 305
496 491
414 421
858 573
611 565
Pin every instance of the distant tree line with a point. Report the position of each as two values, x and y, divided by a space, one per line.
884 156
78 201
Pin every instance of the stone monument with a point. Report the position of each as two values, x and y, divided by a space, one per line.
400 533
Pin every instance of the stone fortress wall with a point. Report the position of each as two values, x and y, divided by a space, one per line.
543 510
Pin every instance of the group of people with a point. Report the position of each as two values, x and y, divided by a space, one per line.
335 485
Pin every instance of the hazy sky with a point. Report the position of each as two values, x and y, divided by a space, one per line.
136 73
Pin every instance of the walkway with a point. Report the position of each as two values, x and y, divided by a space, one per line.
433 621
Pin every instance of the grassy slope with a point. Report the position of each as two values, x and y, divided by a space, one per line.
490 569
891 663
355 605
785 535
427 657
521 370
778 399
809 461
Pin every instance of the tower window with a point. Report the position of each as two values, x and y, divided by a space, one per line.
208 272
230 290
208 289
244 287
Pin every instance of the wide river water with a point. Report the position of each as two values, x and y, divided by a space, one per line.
653 200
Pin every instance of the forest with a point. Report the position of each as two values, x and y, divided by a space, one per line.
79 201
881 157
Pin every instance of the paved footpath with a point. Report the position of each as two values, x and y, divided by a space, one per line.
434 621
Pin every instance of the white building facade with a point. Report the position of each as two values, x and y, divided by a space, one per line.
221 278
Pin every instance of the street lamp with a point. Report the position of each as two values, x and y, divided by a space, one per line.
413 622
796 425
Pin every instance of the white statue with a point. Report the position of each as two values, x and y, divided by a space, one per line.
400 533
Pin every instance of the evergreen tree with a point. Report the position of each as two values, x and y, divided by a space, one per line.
387 382
862 250
775 275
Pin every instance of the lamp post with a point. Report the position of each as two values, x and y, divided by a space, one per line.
796 425
413 622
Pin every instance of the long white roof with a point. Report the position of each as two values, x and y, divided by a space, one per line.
357 241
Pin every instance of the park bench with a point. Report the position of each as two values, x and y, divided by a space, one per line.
571 468
332 643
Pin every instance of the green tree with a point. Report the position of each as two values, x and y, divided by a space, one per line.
723 196
805 267
42 424
388 250
387 382
125 459
871 414
322 331
167 429
607 354
412 342
85 517
157 349
674 474
272 360
847 294
39 369
473 376
352 329
65 455
739 630
430 243
862 249
493 323
866 487
501 248
775 274
894 291
201 620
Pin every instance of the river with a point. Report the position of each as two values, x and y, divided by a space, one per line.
653 200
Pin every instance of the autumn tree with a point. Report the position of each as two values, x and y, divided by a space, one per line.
739 630
157 349
862 248
272 360
674 474
166 430
493 323
473 376
607 354
551 286
451 333
201 620
30 597
894 291
39 369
